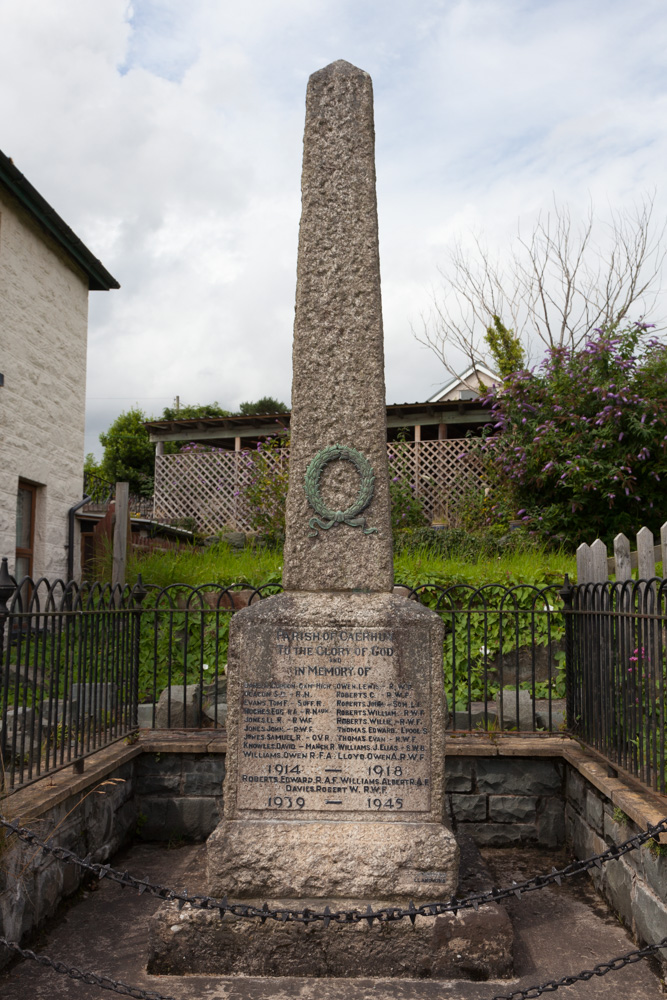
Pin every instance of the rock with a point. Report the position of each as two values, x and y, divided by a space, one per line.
95 698
145 715
235 539
508 703
482 715
178 708
216 690
517 667
558 713
217 712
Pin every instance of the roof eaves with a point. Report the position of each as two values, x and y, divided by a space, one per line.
99 279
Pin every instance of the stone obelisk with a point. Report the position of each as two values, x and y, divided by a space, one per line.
338 392
334 787
336 713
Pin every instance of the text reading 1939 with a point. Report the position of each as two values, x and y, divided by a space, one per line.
328 518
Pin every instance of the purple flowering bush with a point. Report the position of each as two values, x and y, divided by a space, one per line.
580 444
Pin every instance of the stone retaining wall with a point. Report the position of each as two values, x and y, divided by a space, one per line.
635 885
178 795
501 801
98 822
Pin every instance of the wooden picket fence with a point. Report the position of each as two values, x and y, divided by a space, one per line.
594 565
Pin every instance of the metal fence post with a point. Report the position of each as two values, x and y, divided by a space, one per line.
7 588
565 593
139 593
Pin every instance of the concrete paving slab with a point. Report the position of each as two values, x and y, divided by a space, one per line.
558 931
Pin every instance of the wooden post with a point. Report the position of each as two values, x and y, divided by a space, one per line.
622 561
598 555
442 432
120 534
584 564
645 554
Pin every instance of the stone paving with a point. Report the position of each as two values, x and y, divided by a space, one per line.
558 931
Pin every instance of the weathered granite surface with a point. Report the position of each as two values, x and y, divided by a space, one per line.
338 843
255 661
338 391
476 945
291 860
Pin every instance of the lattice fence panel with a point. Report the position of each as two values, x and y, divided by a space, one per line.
205 487
438 472
209 487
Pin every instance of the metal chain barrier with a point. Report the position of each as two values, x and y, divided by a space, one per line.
106 983
92 978
613 965
327 916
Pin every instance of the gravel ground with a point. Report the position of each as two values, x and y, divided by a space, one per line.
558 931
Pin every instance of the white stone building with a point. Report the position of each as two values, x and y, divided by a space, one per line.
45 275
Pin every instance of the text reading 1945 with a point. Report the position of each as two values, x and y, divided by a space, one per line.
337 727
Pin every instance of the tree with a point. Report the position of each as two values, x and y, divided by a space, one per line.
194 412
267 404
580 445
557 285
129 455
506 350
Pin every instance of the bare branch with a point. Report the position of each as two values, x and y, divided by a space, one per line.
555 287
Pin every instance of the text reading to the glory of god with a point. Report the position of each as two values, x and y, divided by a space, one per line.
335 725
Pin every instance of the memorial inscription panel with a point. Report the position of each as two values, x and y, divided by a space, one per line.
334 720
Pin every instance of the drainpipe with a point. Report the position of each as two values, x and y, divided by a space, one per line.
70 536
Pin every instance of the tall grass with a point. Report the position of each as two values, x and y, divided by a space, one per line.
217 564
412 566
537 566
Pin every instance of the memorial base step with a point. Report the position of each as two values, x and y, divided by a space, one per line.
471 945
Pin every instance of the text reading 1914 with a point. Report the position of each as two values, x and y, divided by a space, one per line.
335 728
328 518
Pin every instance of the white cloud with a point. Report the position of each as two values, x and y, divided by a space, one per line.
169 138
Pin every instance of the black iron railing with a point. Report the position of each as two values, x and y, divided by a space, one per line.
84 665
617 673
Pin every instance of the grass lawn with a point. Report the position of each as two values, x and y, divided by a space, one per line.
221 565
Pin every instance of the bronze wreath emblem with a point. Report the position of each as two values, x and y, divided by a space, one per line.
328 518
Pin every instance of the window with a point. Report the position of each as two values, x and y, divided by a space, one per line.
25 529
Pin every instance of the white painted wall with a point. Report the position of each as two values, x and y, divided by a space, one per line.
43 334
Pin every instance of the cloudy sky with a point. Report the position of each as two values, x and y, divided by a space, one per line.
168 135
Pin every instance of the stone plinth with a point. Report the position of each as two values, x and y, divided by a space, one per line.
470 945
291 860
335 763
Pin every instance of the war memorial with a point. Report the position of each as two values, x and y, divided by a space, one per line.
334 788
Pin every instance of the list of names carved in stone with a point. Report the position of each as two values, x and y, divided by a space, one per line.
334 726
